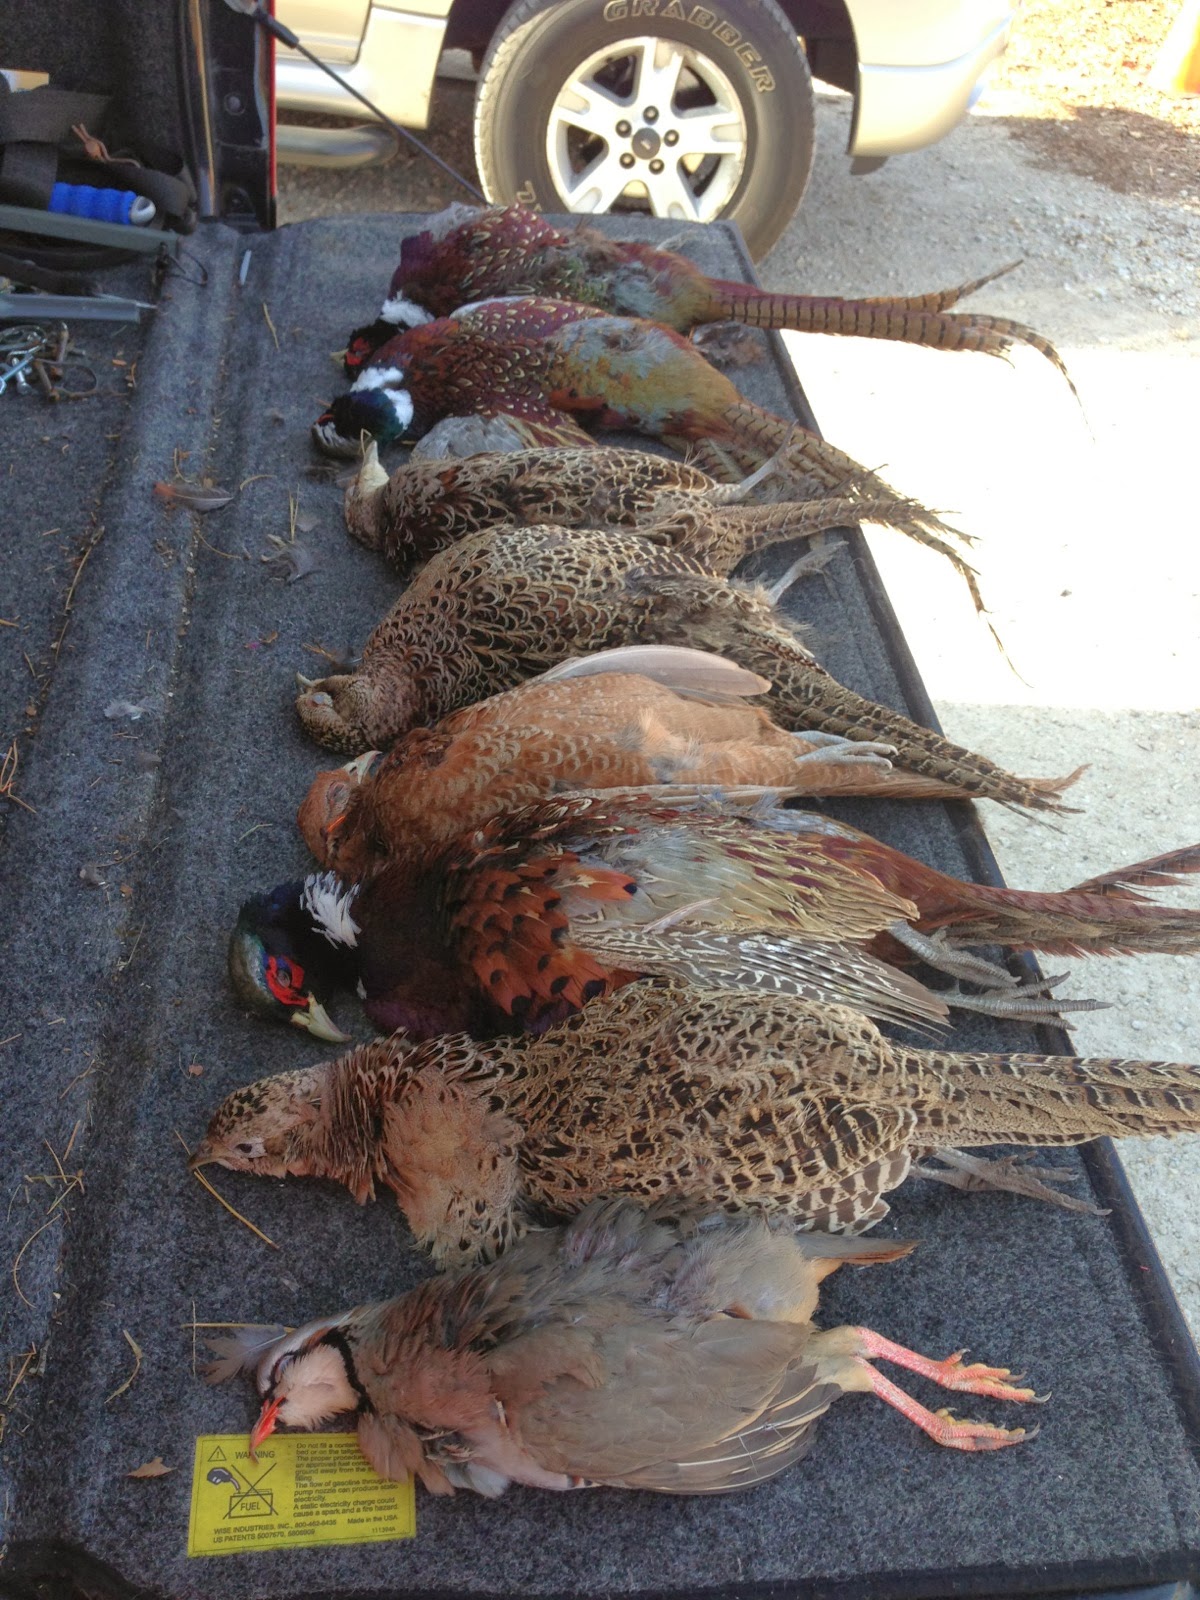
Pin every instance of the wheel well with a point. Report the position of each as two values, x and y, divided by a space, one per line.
824 24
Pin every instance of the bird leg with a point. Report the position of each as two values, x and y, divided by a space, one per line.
956 963
943 1428
1034 1003
835 749
1006 1175
815 560
949 1373
1000 998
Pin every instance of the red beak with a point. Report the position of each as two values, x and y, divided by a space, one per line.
264 1426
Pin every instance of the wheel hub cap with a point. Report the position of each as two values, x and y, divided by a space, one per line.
651 123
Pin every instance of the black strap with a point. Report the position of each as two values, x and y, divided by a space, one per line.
39 148
27 174
45 115
24 271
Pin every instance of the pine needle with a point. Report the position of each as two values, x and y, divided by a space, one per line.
137 1365
205 1184
21 1295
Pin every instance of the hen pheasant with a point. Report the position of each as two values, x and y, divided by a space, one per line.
650 715
627 1349
523 920
428 505
464 255
506 604
755 1102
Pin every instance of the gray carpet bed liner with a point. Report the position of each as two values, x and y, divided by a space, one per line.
117 994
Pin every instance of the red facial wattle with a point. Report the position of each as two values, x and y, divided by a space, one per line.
285 980
358 353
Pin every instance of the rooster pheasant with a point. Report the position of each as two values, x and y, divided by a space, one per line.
518 923
465 255
506 604
552 365
654 715
711 1097
628 1349
428 505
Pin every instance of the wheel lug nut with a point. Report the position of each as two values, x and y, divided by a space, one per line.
624 130
650 114
627 159
671 138
656 167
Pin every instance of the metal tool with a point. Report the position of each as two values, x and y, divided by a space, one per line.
74 308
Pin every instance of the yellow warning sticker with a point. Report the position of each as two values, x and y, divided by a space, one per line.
304 1489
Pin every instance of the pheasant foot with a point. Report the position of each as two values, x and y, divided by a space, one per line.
816 559
934 950
835 749
953 1432
1032 1004
949 1372
1005 1175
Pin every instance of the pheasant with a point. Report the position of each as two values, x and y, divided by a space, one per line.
655 715
506 604
553 365
428 505
521 921
717 1098
465 254
628 1349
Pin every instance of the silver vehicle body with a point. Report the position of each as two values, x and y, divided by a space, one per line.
917 64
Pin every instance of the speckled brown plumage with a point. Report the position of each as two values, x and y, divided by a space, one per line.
745 1101
426 506
506 604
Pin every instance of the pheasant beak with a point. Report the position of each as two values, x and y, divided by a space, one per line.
265 1426
202 1156
360 768
318 1022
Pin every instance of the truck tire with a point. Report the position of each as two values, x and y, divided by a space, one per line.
686 110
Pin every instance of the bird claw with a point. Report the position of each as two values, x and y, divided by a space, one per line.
822 551
1005 1174
1031 1003
832 748
962 1433
934 950
999 1383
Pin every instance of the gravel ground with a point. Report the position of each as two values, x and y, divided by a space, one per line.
1087 555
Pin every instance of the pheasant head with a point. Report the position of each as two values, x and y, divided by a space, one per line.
378 405
335 710
271 1128
323 810
292 948
397 315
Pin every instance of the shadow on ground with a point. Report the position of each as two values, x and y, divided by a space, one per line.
1127 151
